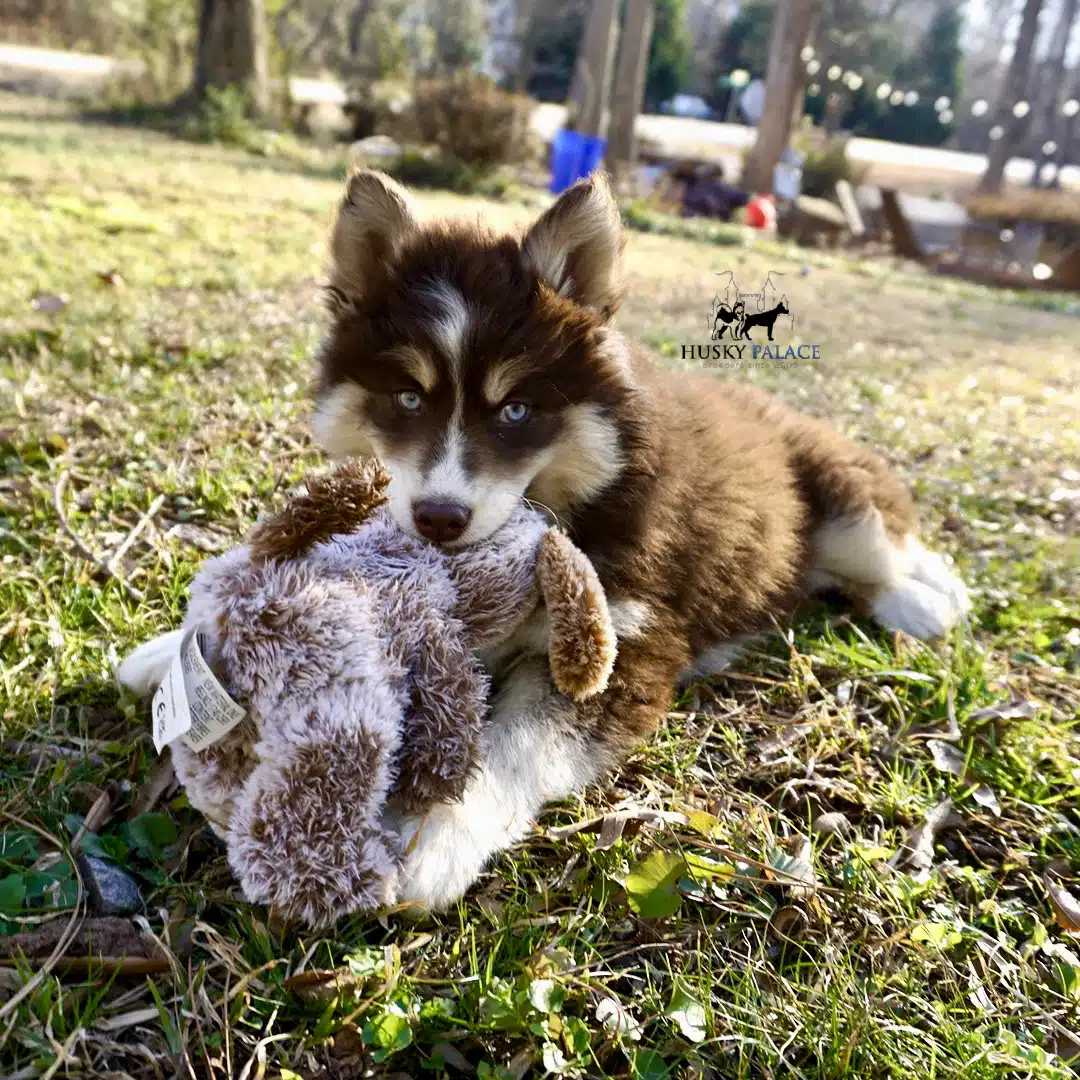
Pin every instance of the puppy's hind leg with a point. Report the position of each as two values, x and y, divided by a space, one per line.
864 540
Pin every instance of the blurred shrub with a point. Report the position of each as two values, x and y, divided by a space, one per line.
470 120
434 169
224 118
827 163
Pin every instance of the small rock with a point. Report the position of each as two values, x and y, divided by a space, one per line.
111 891
833 824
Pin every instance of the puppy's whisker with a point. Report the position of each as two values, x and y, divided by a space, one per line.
532 505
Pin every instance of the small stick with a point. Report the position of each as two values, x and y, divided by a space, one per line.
84 550
132 536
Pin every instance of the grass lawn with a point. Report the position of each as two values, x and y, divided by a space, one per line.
869 849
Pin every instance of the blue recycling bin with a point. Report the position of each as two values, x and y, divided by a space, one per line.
573 156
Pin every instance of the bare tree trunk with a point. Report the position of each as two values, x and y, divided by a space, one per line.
526 26
1067 142
783 79
231 49
1052 130
630 81
591 90
1015 86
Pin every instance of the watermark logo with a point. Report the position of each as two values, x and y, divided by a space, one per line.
745 328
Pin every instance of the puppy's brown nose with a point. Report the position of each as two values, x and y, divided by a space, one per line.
442 522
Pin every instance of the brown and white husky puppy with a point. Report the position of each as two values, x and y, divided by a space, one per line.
483 370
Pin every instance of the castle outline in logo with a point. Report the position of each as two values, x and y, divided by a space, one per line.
738 313
739 320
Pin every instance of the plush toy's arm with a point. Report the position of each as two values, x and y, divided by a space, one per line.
334 504
581 638
442 726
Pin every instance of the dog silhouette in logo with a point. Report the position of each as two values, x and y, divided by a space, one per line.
764 318
732 318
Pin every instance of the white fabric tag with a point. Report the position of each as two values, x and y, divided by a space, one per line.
172 717
191 703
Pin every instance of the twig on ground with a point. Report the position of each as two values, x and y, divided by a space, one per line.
125 547
84 550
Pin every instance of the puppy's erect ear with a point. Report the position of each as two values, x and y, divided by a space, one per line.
375 216
576 246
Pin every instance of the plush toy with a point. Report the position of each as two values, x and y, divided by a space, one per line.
351 647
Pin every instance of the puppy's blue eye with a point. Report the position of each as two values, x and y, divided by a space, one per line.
409 400
514 413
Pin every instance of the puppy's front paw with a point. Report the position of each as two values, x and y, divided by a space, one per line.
448 853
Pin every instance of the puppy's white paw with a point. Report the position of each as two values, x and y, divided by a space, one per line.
932 570
916 609
144 670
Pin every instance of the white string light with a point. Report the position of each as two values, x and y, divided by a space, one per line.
943 105
1041 272
1049 147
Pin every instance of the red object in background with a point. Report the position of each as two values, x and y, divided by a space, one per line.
761 212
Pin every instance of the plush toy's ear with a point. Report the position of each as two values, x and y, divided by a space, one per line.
581 637
334 504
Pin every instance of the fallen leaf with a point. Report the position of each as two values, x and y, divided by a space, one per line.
159 780
785 737
47 303
1013 710
1066 906
795 871
627 813
128 1019
946 757
322 987
688 1014
985 796
545 995
940 936
98 814
521 1062
612 1015
705 824
208 540
611 830
788 921
652 886
917 850
452 1056
112 278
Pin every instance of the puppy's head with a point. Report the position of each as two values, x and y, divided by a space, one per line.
477 367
